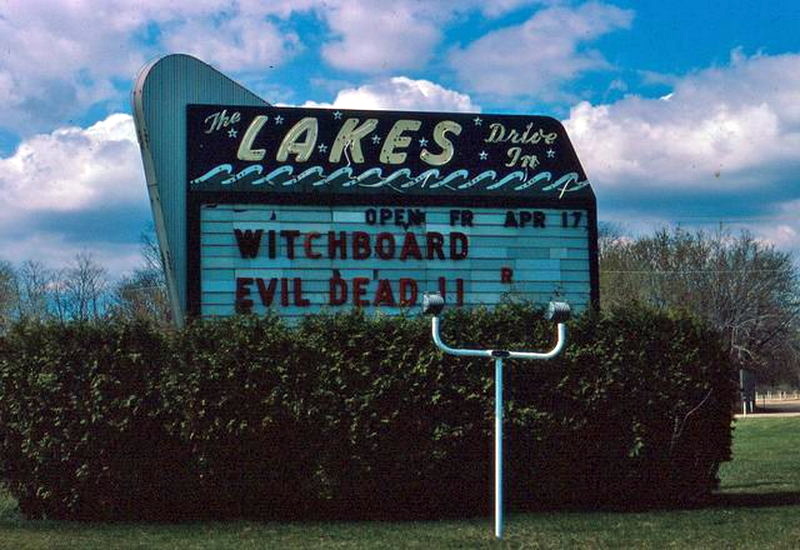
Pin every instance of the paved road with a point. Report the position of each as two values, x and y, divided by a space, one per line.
789 407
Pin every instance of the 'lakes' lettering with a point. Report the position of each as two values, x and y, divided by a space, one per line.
300 141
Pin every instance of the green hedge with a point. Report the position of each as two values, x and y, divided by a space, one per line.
357 417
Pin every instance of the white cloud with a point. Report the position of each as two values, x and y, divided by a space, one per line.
380 37
721 147
56 252
75 189
401 93
721 128
535 58
239 44
496 8
72 169
783 236
59 58
782 227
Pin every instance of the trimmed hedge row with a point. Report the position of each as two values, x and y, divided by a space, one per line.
357 417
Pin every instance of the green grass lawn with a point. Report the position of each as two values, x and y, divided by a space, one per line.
758 507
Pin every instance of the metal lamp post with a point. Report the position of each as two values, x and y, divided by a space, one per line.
558 312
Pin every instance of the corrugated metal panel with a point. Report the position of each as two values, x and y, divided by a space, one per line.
550 262
163 90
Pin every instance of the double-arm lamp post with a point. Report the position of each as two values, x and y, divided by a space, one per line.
558 312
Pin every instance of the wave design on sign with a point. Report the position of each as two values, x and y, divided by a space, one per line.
400 180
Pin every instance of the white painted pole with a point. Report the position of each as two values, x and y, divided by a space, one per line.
498 448
558 312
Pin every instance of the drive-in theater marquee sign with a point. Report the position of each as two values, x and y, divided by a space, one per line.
300 210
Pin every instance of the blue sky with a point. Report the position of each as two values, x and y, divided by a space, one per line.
681 112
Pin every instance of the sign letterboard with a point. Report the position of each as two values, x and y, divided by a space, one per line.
301 210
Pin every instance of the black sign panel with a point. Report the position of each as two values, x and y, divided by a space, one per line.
348 152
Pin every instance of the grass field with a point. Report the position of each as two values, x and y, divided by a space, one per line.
758 507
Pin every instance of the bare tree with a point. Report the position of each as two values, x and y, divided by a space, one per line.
143 294
84 286
8 293
609 234
151 253
742 286
34 286
57 296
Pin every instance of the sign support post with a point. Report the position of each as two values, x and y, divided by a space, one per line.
559 312
498 447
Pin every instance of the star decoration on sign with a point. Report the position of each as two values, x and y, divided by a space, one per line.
337 115
423 142
279 120
551 153
477 120
322 148
376 139
484 155
232 133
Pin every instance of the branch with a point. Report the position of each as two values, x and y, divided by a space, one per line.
676 436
